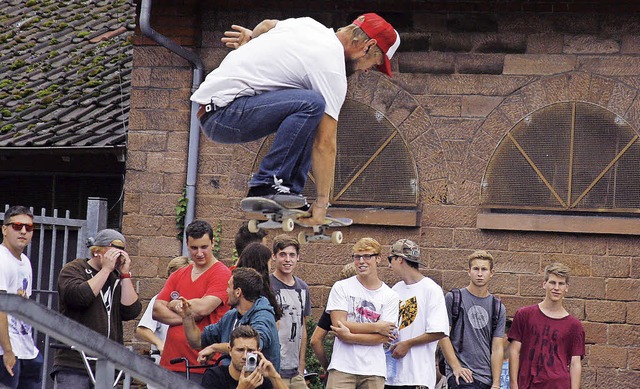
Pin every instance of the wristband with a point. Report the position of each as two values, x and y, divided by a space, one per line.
125 275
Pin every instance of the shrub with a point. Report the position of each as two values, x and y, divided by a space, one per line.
311 362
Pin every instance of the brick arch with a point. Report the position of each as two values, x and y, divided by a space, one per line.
415 126
408 117
611 94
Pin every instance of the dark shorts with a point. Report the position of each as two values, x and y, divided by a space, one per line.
466 385
27 373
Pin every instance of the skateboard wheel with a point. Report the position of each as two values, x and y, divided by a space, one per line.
336 237
288 225
253 226
302 238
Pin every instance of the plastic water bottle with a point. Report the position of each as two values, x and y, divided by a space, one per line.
391 361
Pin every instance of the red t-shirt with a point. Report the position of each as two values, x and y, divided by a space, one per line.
213 282
547 347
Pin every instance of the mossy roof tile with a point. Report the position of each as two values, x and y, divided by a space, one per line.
62 84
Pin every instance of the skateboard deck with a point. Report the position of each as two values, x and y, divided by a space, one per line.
280 217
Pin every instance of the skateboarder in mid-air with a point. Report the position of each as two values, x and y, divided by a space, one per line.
289 77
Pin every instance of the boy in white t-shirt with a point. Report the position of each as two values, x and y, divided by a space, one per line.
364 313
423 320
22 363
150 330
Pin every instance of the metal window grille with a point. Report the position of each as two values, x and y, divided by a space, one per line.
570 156
374 166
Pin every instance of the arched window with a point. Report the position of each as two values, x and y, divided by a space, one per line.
569 158
374 167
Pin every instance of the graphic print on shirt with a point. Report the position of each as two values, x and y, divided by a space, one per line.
545 347
18 326
408 312
22 292
292 303
478 317
362 311
107 297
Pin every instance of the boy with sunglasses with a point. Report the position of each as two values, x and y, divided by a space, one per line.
22 363
364 313
423 320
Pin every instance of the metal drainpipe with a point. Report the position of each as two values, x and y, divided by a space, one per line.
194 126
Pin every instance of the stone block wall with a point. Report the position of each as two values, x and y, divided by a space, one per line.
464 75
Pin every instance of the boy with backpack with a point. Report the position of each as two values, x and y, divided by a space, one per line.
474 349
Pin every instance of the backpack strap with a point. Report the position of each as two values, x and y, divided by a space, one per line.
455 306
495 314
455 314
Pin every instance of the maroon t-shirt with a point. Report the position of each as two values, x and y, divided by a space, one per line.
547 347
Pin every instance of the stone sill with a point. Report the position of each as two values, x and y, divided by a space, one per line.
380 216
621 225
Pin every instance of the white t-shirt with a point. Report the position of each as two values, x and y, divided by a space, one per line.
362 306
296 54
422 310
159 329
15 278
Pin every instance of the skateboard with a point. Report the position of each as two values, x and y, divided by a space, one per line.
279 216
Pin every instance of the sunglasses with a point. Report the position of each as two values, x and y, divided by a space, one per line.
17 226
366 257
117 243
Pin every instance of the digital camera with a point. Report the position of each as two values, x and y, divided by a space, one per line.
252 362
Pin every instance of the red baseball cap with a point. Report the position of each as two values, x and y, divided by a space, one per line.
379 29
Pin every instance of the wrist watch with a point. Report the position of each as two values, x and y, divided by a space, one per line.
125 275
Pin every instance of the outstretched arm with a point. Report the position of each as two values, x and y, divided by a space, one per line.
450 355
497 357
9 358
145 334
317 344
239 35
400 349
575 371
191 330
323 162
514 363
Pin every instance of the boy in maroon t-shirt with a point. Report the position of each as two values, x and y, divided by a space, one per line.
547 343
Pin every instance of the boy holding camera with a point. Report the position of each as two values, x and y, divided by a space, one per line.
249 369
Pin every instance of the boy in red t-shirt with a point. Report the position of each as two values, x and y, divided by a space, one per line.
547 343
204 284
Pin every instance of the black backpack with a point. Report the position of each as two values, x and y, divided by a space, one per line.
455 314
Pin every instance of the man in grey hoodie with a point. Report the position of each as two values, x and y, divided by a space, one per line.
248 308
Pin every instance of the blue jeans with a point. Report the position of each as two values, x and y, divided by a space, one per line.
72 378
27 374
466 385
292 114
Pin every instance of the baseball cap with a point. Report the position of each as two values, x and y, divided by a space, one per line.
406 249
379 29
109 237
